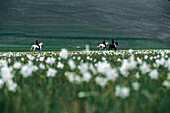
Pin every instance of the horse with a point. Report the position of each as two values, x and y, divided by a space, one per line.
35 47
111 46
102 46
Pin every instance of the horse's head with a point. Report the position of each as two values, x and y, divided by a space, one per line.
107 43
41 44
116 43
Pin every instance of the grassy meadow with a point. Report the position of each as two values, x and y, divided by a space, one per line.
134 24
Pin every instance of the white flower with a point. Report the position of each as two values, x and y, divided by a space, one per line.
146 57
83 67
17 65
112 74
93 69
168 77
6 74
130 51
139 60
83 94
103 67
132 63
86 76
50 60
26 71
35 68
60 65
137 75
79 58
71 64
64 53
154 74
151 57
88 58
103 58
167 64
72 77
124 68
3 63
145 68
77 79
135 86
42 66
41 59
30 57
119 60
166 83
122 92
74 57
51 72
22 59
11 85
100 81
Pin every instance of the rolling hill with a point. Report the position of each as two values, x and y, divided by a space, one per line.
59 23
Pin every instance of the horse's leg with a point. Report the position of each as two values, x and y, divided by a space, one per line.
114 48
34 49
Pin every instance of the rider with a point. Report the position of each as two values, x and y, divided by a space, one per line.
37 44
112 41
104 42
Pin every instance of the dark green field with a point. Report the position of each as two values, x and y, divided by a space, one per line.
59 23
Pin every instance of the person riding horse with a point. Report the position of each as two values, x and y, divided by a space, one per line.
113 43
37 44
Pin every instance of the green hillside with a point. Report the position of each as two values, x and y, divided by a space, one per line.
133 23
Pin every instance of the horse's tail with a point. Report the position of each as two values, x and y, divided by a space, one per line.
31 48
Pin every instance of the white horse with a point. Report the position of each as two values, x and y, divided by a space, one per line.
102 46
35 47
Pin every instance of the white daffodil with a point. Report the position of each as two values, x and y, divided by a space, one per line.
6 73
64 53
11 85
154 74
145 68
71 64
26 71
17 65
86 76
60 65
50 60
51 72
122 92
111 74
166 83
135 86
101 81
42 66
41 59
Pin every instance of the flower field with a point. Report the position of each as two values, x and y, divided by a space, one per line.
125 81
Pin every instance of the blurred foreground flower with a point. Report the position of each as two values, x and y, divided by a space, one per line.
122 91
51 72
64 53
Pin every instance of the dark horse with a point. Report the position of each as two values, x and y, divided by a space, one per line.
111 46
